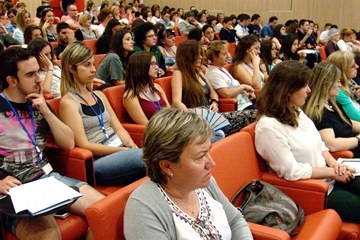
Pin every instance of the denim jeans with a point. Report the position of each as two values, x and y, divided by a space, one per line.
120 168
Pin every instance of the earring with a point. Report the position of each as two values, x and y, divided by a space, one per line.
171 174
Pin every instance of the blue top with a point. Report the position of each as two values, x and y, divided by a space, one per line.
346 103
266 31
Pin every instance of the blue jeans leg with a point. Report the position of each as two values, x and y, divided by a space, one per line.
120 168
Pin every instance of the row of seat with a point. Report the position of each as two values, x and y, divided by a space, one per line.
105 217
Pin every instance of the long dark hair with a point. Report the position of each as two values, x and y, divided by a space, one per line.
287 45
265 53
116 46
245 44
273 101
137 77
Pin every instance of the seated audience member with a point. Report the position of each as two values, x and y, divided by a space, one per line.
220 19
180 193
50 73
331 45
22 19
165 19
84 32
242 27
306 41
269 57
91 10
105 16
65 37
103 42
115 12
324 37
336 129
143 98
32 32
348 96
202 19
11 25
255 25
145 40
112 68
267 30
39 9
117 159
228 32
22 103
291 145
209 33
48 25
224 84
166 44
191 89
345 44
289 49
129 15
246 62
188 24
278 35
72 17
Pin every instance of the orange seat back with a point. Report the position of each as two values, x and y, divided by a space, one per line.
165 83
251 130
115 97
236 163
322 53
106 217
217 35
180 39
98 58
232 49
90 43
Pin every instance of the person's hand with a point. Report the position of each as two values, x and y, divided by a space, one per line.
97 80
302 55
38 101
346 177
44 60
46 25
339 168
71 36
3 29
309 32
7 183
132 145
214 107
255 59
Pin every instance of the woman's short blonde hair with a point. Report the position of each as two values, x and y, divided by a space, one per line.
84 17
167 134
74 54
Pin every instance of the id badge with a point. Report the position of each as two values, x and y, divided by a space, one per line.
115 143
47 169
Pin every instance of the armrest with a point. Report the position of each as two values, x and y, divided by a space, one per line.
310 194
227 104
136 132
76 163
342 154
261 232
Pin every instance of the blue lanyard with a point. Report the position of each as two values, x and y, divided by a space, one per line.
99 115
156 103
33 139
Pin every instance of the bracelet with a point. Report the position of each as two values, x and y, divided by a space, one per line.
50 70
214 100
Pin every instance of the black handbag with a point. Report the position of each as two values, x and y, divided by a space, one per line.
266 205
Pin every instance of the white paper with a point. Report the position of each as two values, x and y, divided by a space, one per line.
352 163
41 194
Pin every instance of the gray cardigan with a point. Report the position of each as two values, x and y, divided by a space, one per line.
148 215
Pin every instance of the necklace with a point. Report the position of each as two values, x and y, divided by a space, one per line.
328 106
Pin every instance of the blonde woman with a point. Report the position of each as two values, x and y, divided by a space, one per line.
22 19
348 90
85 32
117 160
336 129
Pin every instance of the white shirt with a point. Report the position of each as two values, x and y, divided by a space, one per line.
241 31
290 151
221 78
